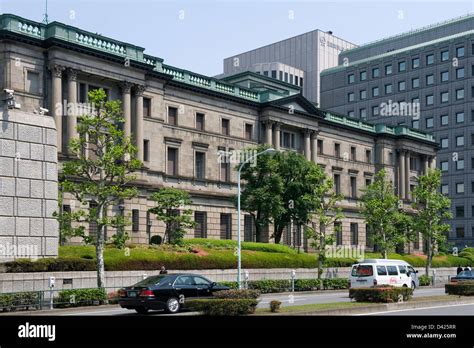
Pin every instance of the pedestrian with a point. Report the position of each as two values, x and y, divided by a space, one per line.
459 270
163 270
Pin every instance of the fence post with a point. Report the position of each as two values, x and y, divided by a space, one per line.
52 281
293 275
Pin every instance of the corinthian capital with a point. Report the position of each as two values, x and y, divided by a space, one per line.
126 86
57 70
139 89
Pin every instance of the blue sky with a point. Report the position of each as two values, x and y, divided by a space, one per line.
197 35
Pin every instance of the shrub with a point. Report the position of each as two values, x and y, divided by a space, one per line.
271 286
156 239
231 244
113 297
242 293
335 283
80 297
227 306
275 306
17 300
232 285
50 265
266 286
463 288
424 280
383 293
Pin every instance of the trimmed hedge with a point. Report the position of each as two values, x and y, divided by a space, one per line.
227 302
231 244
463 288
282 285
25 300
50 265
383 293
424 280
80 297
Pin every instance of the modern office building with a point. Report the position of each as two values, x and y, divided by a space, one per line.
422 79
181 120
303 56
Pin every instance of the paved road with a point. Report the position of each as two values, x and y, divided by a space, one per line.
461 309
287 299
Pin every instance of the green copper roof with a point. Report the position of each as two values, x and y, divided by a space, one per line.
377 128
396 52
410 33
96 42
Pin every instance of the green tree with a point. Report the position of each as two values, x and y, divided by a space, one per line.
326 213
170 208
301 180
100 168
379 206
261 190
431 209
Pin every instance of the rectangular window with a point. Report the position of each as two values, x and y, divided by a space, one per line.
172 167
460 73
265 73
354 233
459 117
444 97
337 150
363 75
135 220
350 78
415 83
429 59
460 188
460 140
375 110
200 229
82 93
444 143
200 121
363 94
401 66
460 232
32 82
248 131
429 100
350 97
444 76
173 116
444 166
401 86
375 92
445 189
388 69
429 122
375 72
368 156
415 63
146 150
320 147
274 74
415 124
291 78
444 120
337 184
353 153
338 232
429 79
388 88
286 77
460 94
225 126
460 164
460 52
226 226
280 75
444 56
146 107
353 187
225 168
363 113
200 165
249 228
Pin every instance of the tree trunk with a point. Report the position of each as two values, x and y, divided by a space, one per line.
429 257
100 266
322 253
277 232
384 251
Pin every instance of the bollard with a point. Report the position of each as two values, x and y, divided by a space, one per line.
293 275
51 283
433 272
246 279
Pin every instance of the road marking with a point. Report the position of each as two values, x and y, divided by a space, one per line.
415 309
97 312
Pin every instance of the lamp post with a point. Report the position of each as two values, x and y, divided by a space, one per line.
239 241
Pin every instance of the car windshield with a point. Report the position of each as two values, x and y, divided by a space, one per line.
363 271
465 274
154 280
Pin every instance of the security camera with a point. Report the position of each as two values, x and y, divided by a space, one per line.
9 91
43 111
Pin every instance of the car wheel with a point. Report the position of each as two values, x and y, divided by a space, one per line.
141 310
172 305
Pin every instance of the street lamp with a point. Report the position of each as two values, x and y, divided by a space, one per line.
239 241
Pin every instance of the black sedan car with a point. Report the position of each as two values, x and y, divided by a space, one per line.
168 292
463 276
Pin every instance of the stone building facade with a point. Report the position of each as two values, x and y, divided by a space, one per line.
180 121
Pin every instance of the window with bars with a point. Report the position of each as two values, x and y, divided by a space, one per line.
249 228
135 220
173 116
200 230
354 233
226 226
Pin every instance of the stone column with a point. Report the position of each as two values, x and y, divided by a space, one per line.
307 144
407 175
401 175
426 164
126 105
56 102
314 147
269 132
139 120
72 99
432 162
276 145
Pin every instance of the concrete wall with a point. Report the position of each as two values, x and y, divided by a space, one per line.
14 282
28 186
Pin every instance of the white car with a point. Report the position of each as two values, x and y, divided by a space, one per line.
372 272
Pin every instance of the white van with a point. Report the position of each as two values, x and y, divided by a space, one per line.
373 272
